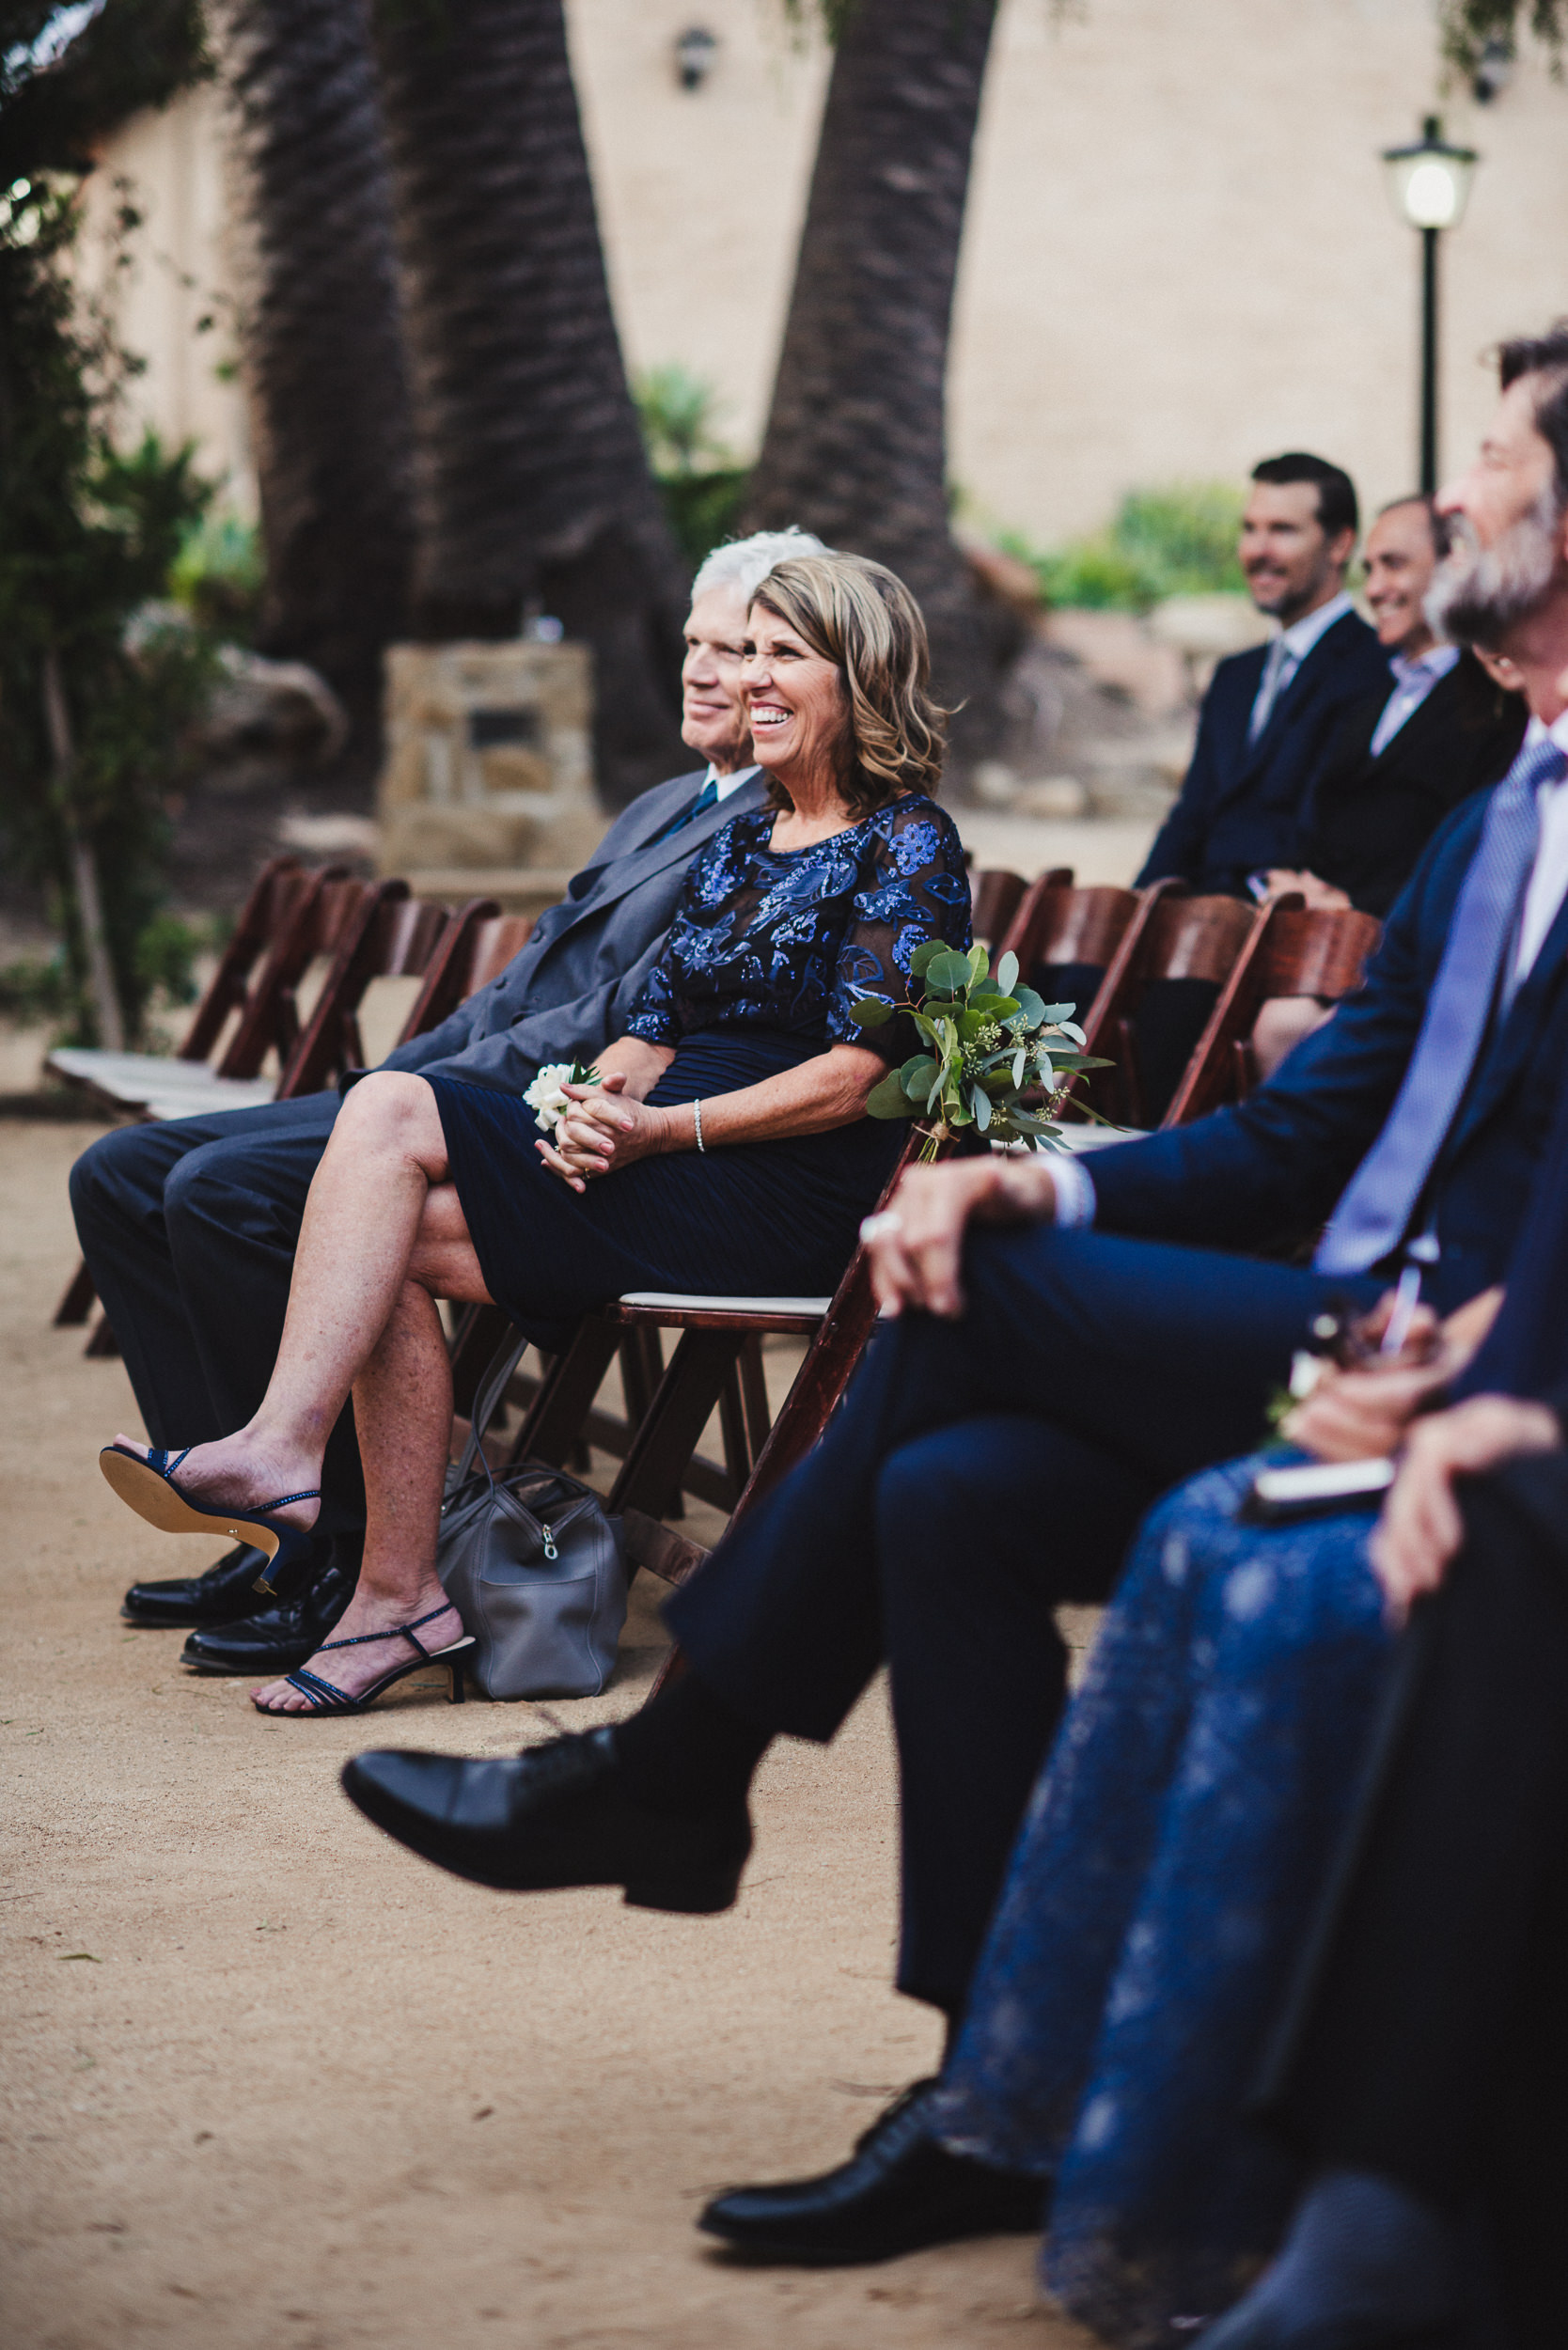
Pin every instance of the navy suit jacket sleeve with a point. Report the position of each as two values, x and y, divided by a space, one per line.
1178 844
1271 1169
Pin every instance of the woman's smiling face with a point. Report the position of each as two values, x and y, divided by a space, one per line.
799 710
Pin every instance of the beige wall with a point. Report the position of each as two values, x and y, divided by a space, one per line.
1179 254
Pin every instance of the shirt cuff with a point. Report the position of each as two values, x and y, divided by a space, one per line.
1076 1201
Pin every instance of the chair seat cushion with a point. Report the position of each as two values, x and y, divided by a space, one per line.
675 1302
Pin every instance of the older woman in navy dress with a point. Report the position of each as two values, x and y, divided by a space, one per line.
724 1149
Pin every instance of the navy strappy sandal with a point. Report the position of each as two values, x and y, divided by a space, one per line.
326 1698
147 1483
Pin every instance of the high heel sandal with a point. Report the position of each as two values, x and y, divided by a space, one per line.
326 1698
146 1482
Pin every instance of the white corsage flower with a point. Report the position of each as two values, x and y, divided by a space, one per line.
546 1097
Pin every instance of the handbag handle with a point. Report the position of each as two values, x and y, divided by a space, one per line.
491 1389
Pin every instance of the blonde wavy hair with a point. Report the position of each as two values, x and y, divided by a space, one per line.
862 617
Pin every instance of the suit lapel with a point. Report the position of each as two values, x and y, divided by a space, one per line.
1288 705
677 848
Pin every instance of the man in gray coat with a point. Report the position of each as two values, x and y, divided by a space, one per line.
189 1226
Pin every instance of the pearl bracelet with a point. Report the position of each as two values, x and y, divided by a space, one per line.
696 1120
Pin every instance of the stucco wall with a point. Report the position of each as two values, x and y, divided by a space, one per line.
1179 255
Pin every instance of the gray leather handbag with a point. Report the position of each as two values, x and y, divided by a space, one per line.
533 1564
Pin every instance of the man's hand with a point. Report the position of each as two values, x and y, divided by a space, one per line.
916 1244
1361 1413
1421 1528
1285 883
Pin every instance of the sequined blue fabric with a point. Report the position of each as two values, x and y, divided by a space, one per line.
1156 1903
789 940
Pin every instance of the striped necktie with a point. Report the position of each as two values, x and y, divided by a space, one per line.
1375 1211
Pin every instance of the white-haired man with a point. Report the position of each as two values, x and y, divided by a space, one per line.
189 1226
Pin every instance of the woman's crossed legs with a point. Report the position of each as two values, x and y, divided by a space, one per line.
384 1237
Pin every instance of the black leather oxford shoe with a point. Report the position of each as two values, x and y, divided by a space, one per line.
556 1816
278 1639
224 1594
899 2192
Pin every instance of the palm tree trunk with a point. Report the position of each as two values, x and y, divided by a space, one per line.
531 484
322 339
855 446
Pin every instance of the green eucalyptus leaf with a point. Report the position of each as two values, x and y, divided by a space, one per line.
979 963
1006 973
980 1104
1071 1027
1018 1059
947 973
1030 1006
888 1099
919 1076
1053 1012
870 1012
924 956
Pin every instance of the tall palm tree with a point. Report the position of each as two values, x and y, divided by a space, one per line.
320 336
531 482
855 446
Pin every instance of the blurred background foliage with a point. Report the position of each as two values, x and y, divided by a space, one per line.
1179 541
702 486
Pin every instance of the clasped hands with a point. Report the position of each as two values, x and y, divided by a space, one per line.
606 1128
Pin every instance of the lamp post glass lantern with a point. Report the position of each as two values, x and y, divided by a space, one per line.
1430 184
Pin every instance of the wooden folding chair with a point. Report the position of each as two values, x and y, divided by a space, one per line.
994 896
1157 995
476 949
1296 950
391 936
1066 938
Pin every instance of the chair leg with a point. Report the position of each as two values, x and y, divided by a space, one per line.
732 1418
754 1393
102 1345
555 1419
479 1335
658 1454
76 1306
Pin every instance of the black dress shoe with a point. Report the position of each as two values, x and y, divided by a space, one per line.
224 1594
556 1816
900 2192
278 1639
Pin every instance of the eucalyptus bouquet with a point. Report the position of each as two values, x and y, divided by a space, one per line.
989 1046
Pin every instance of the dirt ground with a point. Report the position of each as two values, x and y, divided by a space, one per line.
267 2080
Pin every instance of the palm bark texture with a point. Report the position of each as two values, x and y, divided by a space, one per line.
855 446
532 487
320 336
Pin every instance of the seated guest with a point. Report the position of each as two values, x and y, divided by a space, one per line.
1267 719
1424 2069
1047 1385
1398 763
725 1146
1270 713
189 1226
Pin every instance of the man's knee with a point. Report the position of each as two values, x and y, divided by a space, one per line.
127 1167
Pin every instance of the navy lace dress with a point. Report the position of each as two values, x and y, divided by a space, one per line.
768 951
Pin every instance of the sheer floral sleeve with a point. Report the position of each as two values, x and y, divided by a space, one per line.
789 939
917 889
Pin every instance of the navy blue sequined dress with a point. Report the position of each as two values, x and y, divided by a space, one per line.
768 951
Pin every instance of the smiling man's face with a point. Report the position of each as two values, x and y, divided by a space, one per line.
714 719
1291 563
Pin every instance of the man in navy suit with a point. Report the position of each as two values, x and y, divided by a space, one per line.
189 1226
1270 714
1059 1347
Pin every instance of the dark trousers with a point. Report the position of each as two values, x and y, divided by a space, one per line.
1434 2044
979 1472
189 1227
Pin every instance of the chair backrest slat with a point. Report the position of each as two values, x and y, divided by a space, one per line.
277 890
388 935
271 1017
1295 950
994 896
478 943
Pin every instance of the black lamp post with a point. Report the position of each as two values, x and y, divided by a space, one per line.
1430 184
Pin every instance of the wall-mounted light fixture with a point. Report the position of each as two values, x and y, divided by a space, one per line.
695 51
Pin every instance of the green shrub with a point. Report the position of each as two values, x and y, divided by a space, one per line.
702 487
1176 542
219 575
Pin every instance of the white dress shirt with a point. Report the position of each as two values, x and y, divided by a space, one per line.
1414 675
724 785
1286 654
1545 893
1549 881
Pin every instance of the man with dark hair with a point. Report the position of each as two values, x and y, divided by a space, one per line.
1270 713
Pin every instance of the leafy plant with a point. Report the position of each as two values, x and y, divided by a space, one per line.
988 1050
1174 542
702 487
1467 25
219 576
